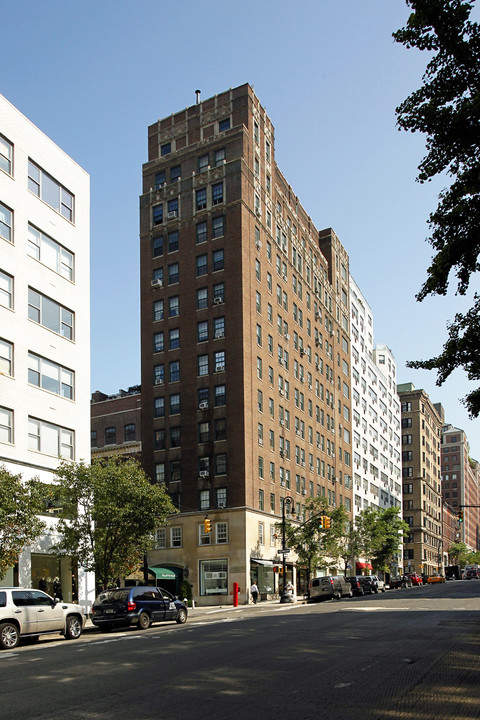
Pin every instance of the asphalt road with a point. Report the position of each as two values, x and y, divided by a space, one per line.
406 654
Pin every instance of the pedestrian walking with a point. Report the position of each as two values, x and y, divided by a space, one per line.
254 592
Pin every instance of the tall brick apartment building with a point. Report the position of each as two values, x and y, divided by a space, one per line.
245 345
422 494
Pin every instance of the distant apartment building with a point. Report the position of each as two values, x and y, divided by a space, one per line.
44 327
245 336
450 531
376 417
461 484
422 495
116 424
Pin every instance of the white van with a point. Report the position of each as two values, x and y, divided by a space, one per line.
330 586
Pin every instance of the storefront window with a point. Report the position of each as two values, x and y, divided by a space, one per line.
213 577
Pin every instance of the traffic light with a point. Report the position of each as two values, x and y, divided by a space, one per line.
321 522
327 522
207 525
460 516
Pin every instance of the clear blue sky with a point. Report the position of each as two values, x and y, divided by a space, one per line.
94 75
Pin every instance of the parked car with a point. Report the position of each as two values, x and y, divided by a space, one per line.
361 584
330 586
435 579
415 578
140 606
472 572
378 585
29 613
402 581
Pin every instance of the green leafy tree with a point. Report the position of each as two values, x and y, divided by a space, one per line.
350 548
381 533
20 504
314 546
447 109
109 521
473 558
457 552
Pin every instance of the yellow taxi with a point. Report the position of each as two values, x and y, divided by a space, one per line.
435 579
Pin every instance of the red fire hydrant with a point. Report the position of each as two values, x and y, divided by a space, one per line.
236 590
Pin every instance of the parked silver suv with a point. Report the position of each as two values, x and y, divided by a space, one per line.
29 613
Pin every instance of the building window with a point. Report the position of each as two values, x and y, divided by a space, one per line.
221 533
201 232
221 497
224 125
219 156
165 149
6 290
160 179
159 407
6 155
260 473
161 538
160 473
220 395
172 209
175 173
50 439
203 432
202 298
158 342
129 432
158 310
157 215
221 464
158 275
50 191
173 274
174 437
406 422
173 306
218 260
217 193
6 425
174 371
50 253
201 199
6 358
110 436
50 314
175 404
218 293
219 327
213 577
218 227
261 530
201 265
202 331
6 217
220 429
203 163
157 246
219 360
159 439
93 438
174 339
202 367
173 241
176 537
50 376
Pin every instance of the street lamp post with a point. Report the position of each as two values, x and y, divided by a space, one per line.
285 597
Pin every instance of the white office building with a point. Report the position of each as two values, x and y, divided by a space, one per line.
376 414
44 327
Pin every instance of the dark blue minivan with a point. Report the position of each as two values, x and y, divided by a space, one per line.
140 606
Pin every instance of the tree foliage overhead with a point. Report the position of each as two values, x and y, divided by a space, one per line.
20 504
109 521
447 109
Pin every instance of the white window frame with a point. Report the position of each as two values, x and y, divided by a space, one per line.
40 433
6 358
6 221
6 425
176 536
221 533
40 366
50 253
40 183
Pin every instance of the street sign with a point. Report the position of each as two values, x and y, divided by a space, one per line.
284 552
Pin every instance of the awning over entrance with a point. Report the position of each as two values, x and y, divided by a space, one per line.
267 563
363 566
166 573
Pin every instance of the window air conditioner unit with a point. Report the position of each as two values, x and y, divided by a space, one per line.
281 423
303 463
218 300
258 212
159 381
221 505
204 473
287 337
284 276
304 492
258 244
172 215
156 284
203 406
302 352
219 334
219 367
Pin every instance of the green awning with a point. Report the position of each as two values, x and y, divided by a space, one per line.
165 573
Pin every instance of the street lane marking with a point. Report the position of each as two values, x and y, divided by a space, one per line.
372 609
